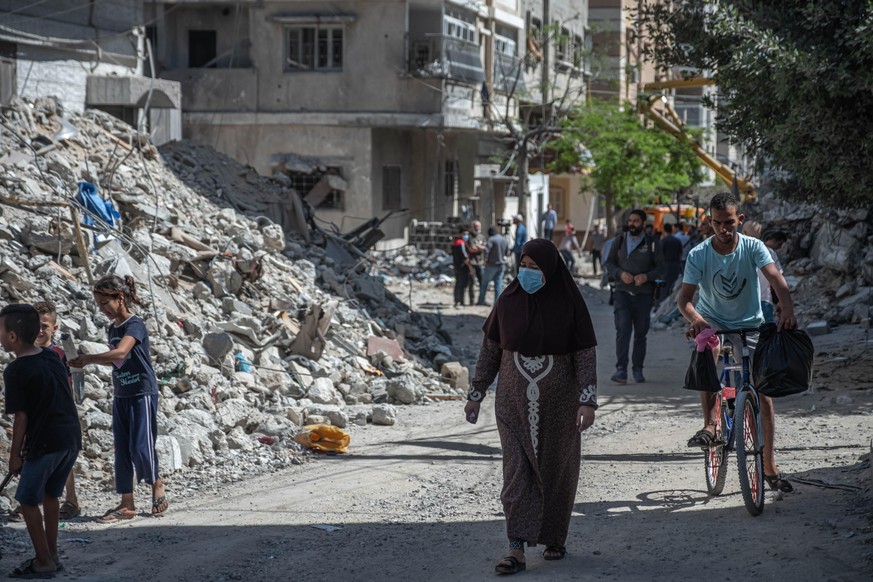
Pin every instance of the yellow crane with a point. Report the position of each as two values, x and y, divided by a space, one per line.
669 121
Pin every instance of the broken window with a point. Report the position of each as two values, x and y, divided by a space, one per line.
313 48
392 194
317 187
202 48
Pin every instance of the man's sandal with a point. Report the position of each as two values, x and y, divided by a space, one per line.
513 567
557 552
778 482
702 438
69 510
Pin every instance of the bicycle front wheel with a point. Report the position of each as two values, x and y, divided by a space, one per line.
715 455
750 452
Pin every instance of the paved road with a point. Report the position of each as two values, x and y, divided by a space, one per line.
418 501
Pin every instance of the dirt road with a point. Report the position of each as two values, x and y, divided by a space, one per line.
419 500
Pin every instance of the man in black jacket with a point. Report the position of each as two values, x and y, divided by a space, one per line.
635 261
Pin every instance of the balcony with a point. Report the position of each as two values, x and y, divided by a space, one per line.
446 57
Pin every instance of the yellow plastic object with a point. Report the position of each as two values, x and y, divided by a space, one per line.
324 438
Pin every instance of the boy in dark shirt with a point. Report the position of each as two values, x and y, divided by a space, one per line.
46 437
48 327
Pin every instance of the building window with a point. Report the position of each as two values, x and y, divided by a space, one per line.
305 184
563 46
578 52
313 48
451 178
392 194
459 24
202 48
534 49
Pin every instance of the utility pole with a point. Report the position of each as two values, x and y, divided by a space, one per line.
489 60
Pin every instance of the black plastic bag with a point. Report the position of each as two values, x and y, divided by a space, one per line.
783 361
702 374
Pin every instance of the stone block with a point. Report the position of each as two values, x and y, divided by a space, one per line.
169 454
818 328
456 375
384 414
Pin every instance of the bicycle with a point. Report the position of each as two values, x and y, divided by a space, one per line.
737 428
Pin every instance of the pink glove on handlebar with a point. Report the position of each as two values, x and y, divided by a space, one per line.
706 338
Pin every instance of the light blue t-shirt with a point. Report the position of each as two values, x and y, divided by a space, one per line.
728 284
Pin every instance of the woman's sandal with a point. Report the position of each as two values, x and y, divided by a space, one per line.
778 482
514 567
558 552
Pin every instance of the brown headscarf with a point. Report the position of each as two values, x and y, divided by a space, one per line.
552 321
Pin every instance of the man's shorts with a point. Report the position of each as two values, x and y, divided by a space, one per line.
44 476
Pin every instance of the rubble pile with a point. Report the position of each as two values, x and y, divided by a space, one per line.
828 262
254 331
419 263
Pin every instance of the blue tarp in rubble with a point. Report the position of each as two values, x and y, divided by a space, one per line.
89 198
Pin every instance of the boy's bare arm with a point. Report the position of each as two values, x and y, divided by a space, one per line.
19 429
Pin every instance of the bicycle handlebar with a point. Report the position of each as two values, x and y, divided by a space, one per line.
741 331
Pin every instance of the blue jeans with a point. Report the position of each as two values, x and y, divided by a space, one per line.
632 313
492 273
568 258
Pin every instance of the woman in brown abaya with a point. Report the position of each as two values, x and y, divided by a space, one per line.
540 340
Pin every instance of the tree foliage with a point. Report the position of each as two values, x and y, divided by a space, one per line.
794 85
628 164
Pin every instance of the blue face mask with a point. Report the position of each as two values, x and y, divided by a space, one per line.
530 280
466 237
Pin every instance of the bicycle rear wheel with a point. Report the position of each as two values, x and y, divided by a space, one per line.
750 453
715 455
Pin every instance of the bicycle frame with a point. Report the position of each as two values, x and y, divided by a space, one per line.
743 431
728 391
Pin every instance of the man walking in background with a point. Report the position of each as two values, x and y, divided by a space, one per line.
475 248
549 221
520 239
598 239
495 253
672 249
635 261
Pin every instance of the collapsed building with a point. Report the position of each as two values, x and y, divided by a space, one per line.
260 321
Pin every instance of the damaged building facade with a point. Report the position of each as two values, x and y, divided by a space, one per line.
87 55
363 107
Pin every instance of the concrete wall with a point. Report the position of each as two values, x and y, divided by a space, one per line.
45 72
262 147
374 59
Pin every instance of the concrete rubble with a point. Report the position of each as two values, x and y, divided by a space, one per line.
257 324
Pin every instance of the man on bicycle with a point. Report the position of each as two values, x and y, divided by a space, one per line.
723 268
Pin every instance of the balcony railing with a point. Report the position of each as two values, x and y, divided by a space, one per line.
446 57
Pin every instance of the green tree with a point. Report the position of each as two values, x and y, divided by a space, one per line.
794 85
627 163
